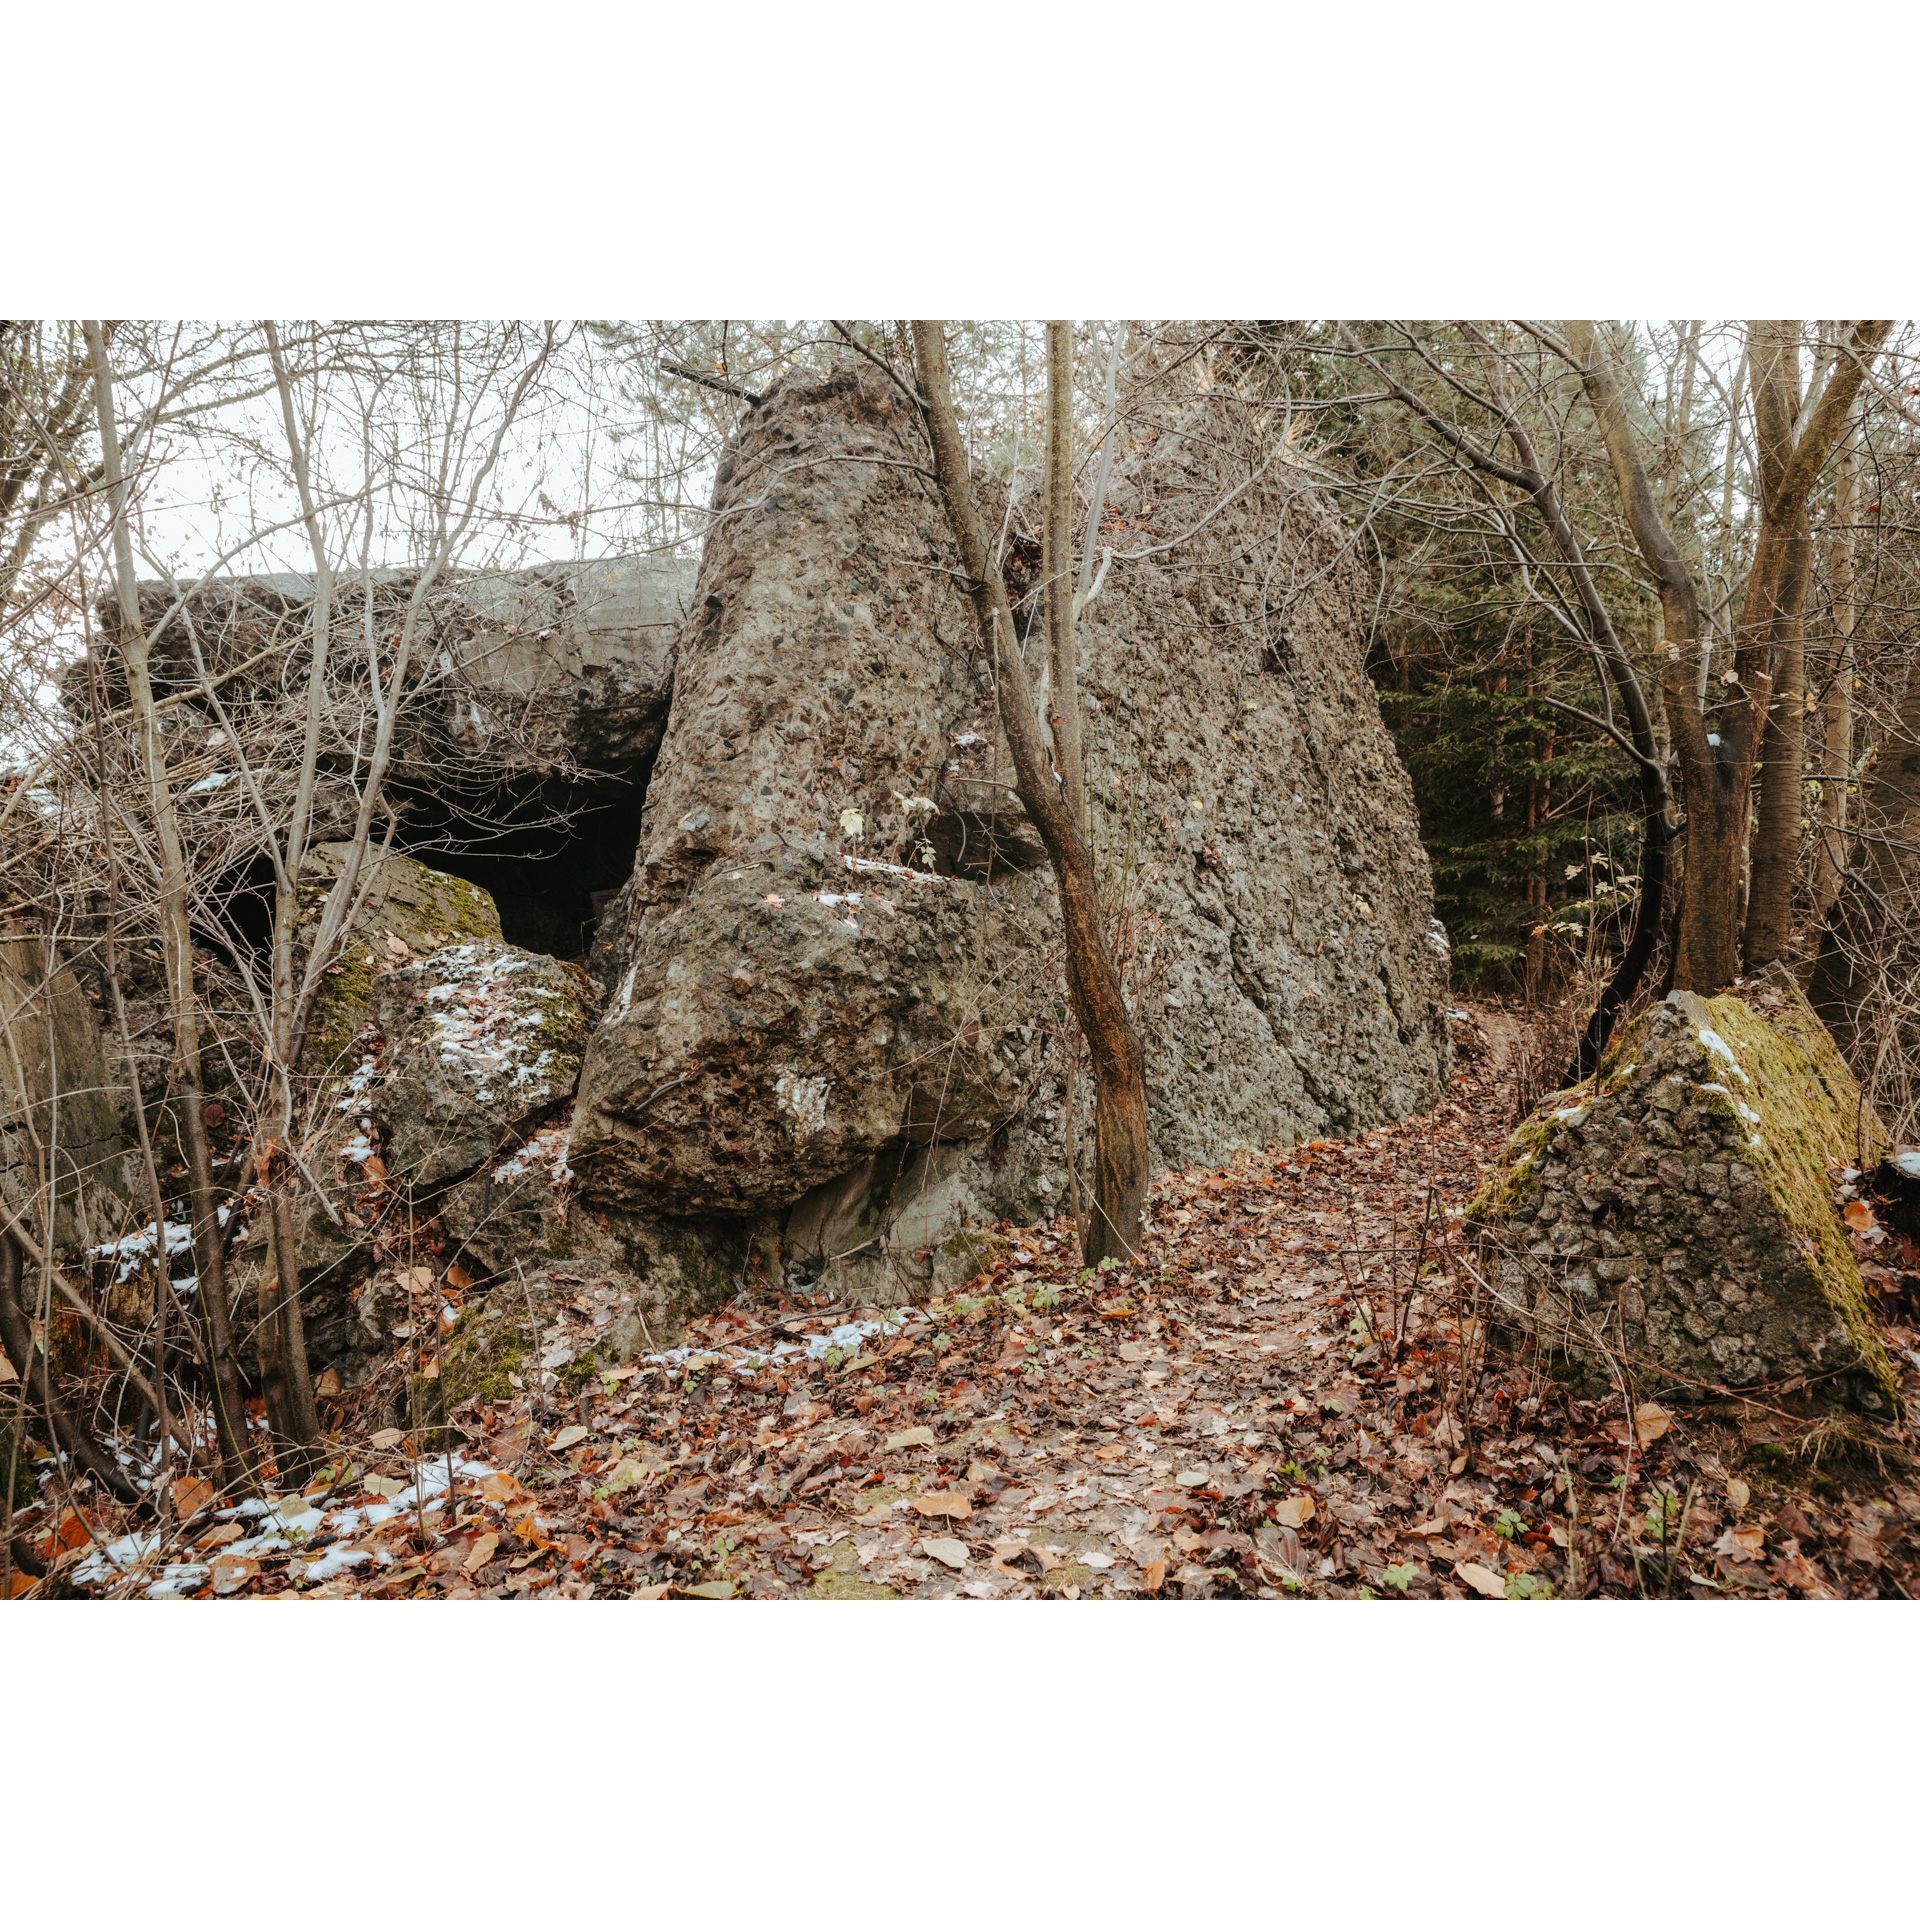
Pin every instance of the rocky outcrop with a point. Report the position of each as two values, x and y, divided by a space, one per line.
59 1120
827 1019
1678 1211
835 999
556 667
482 1041
409 910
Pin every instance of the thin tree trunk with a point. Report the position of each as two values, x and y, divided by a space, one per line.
1880 879
1093 980
1783 584
1056 566
177 945
1718 745
1836 703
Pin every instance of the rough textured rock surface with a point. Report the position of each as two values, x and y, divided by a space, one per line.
483 1040
59 1122
793 991
557 666
410 910
1679 1208
1292 978
886 1056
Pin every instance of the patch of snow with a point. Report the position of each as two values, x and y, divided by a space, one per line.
1715 1045
548 1145
114 1556
130 1254
854 865
804 1099
337 1559
813 1346
1905 1163
213 783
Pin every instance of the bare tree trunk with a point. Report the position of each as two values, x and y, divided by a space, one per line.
1879 880
177 945
1836 701
1056 567
1093 980
1779 587
1718 745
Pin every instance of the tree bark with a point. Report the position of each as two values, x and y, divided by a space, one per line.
1093 979
1879 882
1056 566
1836 698
1717 745
1777 595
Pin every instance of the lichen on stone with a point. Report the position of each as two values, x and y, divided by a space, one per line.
1678 1209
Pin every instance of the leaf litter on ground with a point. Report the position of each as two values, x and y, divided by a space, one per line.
1289 1394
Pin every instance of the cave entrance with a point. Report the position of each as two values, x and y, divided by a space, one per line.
550 853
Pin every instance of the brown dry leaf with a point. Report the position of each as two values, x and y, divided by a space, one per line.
6 1370
1109 1453
1858 1216
1483 1580
1438 1524
1153 1574
190 1495
1187 1540
385 1438
224 1535
231 1572
652 1593
1296 1512
457 1277
1750 1539
500 1486
1557 1534
1651 1422
1738 1494
483 1551
429 1368
979 1470
328 1386
952 1506
911 1437
565 1438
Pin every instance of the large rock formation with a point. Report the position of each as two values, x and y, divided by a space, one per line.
1678 1210
565 666
832 1020
835 999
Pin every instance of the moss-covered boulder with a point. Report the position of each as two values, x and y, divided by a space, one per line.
410 911
483 1040
1677 1212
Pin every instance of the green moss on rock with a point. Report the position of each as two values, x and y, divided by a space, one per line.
1677 1210
1811 1117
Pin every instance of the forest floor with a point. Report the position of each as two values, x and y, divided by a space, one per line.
1291 1395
